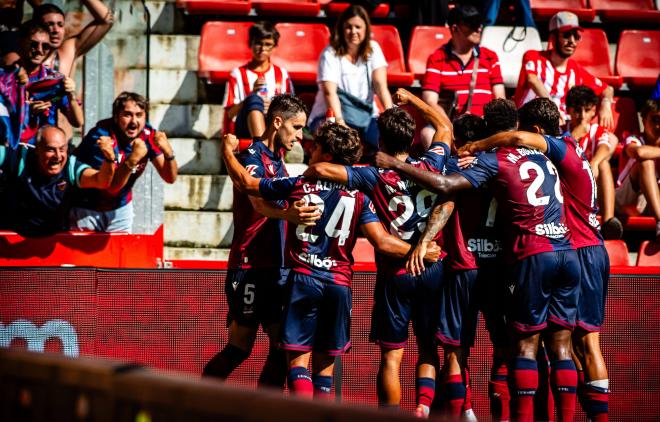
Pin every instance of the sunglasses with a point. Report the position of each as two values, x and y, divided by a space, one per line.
568 34
43 46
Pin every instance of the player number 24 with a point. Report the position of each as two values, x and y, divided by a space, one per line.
339 222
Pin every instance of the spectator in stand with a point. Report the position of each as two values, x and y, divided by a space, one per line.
448 84
551 73
252 86
31 94
135 143
637 189
11 16
64 52
351 70
37 183
598 145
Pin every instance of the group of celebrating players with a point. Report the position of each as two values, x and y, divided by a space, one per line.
509 198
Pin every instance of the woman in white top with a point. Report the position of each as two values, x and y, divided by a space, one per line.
352 68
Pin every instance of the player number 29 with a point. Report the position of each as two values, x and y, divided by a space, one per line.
339 222
423 203
535 186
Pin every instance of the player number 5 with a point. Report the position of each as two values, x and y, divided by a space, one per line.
248 294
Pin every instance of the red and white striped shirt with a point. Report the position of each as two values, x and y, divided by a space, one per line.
241 82
446 72
556 83
596 136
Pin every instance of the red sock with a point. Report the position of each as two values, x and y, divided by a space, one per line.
455 390
597 402
300 382
564 380
425 391
322 387
467 404
499 393
525 381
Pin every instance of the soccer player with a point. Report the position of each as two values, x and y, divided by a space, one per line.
403 207
256 281
539 120
543 270
318 313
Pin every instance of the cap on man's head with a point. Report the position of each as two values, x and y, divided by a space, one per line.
564 21
465 13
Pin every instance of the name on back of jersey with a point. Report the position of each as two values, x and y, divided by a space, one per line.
320 185
522 152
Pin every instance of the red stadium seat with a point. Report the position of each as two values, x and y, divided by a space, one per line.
639 223
618 252
301 63
222 47
638 57
363 251
333 8
287 7
390 42
625 121
626 10
545 9
423 42
214 7
649 254
594 54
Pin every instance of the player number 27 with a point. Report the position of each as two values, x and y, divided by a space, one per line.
535 186
338 224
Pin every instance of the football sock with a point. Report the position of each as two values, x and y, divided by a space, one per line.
300 382
425 388
564 383
455 391
273 374
225 361
499 392
596 395
544 401
525 382
322 386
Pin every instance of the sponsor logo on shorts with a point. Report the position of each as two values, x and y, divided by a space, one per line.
485 248
551 230
317 261
36 337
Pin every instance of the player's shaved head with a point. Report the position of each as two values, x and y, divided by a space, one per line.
341 142
500 115
468 128
542 113
397 129
286 106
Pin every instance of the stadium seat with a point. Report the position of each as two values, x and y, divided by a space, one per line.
649 254
638 57
222 47
625 117
423 42
333 8
626 10
287 7
618 253
214 7
545 9
510 43
390 42
363 251
301 63
639 223
594 54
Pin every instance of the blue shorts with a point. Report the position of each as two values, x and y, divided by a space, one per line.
317 316
256 296
401 298
251 103
544 287
493 298
459 309
595 266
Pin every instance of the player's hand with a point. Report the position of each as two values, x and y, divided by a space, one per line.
384 160
415 262
230 142
401 96
69 86
39 107
605 117
466 150
432 252
466 161
161 141
106 145
138 151
303 214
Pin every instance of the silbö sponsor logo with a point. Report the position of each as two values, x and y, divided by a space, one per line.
315 260
551 230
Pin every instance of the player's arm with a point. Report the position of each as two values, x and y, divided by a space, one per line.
327 171
243 181
437 220
298 213
506 139
102 178
96 30
435 182
437 119
387 244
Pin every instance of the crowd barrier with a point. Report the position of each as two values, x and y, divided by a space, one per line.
175 320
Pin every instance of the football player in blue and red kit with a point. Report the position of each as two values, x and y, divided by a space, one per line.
544 270
403 207
317 317
539 120
256 281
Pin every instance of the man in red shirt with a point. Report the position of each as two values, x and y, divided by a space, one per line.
449 70
551 73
